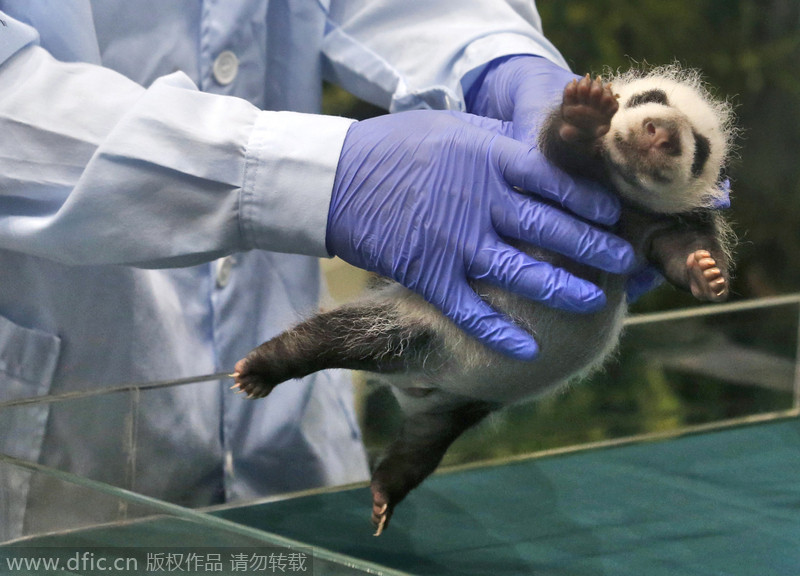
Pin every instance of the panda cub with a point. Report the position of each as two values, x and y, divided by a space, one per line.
660 141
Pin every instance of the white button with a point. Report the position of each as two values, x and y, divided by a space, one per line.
224 268
229 470
226 66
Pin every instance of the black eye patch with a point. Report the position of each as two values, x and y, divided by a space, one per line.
651 96
702 150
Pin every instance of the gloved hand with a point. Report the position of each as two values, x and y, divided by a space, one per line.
520 90
523 89
426 197
642 282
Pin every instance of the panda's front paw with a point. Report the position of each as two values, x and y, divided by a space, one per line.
587 108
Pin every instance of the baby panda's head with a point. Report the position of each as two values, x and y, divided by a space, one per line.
669 141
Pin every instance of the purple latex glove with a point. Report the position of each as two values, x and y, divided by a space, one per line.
426 197
520 90
523 89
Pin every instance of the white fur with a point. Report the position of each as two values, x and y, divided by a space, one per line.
693 108
571 344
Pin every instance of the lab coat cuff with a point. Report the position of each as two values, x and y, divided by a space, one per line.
14 36
482 51
289 173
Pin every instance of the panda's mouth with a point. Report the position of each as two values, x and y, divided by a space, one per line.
626 173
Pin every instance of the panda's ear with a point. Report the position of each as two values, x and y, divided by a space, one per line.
652 96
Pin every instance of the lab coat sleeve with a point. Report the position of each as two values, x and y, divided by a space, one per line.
96 169
422 54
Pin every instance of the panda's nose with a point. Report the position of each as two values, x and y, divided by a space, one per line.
663 137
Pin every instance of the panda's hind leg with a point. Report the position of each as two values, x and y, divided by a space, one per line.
369 336
414 455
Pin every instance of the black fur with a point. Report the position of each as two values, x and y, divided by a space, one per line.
419 449
702 150
651 96
369 337
419 348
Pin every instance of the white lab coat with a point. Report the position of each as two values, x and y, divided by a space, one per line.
163 196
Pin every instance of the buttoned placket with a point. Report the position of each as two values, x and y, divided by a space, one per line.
219 71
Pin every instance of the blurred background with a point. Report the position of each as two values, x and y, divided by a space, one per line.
687 370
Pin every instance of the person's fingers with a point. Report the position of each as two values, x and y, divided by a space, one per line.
528 220
493 329
525 169
642 282
510 269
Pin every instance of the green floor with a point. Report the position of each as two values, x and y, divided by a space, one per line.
718 503
721 503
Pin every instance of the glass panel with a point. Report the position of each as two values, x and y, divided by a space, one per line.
155 537
24 517
107 449
672 370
